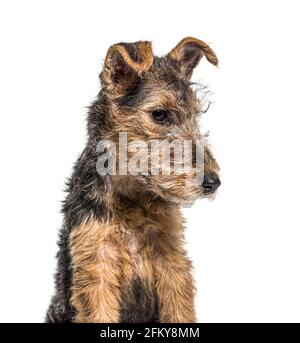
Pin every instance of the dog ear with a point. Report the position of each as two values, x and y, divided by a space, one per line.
188 53
124 64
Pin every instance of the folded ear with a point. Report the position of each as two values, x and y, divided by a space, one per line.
189 52
124 64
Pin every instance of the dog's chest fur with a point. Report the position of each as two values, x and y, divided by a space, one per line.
128 250
138 295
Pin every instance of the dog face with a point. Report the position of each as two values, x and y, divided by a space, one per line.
151 99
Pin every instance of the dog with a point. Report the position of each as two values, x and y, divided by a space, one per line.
121 256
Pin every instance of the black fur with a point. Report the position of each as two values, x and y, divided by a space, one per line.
143 305
77 206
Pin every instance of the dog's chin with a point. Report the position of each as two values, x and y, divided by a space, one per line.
210 196
183 201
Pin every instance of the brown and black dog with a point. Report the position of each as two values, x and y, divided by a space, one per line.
121 256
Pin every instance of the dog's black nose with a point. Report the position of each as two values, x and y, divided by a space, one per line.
210 183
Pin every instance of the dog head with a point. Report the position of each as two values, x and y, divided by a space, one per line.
152 99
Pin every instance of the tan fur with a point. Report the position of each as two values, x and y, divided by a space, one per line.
145 54
175 288
145 243
205 48
96 273
174 283
136 68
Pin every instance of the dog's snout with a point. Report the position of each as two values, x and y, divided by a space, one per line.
210 183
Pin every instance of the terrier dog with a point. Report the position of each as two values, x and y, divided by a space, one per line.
121 257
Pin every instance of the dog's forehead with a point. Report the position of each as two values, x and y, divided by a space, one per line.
165 79
162 86
166 71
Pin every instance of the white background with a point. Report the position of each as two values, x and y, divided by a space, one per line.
245 244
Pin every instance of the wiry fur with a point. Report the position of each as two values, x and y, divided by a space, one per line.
121 257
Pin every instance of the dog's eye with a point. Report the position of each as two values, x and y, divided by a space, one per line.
161 116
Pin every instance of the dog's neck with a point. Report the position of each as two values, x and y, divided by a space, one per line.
137 205
145 212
